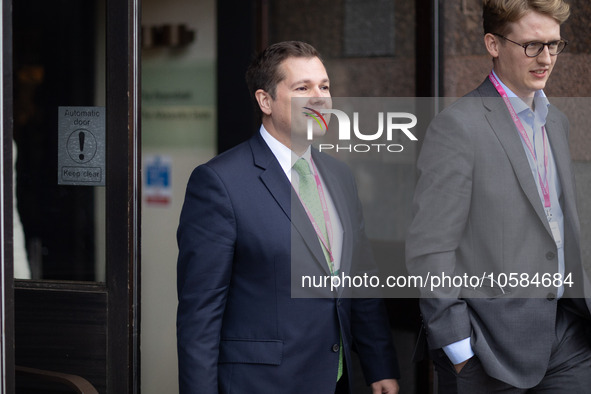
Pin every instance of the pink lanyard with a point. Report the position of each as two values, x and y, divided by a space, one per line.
325 242
543 182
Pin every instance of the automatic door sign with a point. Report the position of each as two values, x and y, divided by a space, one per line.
81 150
81 146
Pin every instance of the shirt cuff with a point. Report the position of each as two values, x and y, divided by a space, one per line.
459 351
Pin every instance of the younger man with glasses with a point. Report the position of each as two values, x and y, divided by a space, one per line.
496 196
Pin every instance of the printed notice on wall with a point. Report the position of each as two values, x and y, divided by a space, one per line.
157 186
81 146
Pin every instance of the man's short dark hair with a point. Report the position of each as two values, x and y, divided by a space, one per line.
264 71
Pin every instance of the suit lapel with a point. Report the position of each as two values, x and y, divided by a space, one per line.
561 153
272 174
557 137
506 132
301 223
499 118
278 185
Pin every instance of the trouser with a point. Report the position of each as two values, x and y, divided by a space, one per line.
569 368
343 383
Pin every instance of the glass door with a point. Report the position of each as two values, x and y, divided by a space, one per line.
71 192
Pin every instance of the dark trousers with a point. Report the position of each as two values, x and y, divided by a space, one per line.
343 383
569 369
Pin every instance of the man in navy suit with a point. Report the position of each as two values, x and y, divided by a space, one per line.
242 228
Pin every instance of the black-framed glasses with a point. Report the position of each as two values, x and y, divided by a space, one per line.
533 49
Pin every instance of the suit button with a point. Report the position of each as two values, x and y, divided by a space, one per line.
336 347
551 297
550 255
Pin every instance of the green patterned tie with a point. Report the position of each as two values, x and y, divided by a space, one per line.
308 193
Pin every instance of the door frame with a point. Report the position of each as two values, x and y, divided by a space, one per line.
121 291
6 266
123 194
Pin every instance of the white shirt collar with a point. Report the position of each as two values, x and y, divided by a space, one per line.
540 99
284 155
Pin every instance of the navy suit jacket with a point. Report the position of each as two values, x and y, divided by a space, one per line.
238 328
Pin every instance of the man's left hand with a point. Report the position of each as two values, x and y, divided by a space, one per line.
386 386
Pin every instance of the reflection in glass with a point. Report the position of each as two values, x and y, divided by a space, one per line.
57 55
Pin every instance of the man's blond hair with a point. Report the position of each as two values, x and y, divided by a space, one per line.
497 14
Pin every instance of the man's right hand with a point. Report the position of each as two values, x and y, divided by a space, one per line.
459 366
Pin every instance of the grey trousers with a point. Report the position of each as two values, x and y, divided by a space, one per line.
569 369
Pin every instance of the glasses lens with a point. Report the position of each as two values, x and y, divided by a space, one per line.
560 45
533 49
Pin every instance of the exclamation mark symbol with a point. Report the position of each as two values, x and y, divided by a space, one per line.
81 140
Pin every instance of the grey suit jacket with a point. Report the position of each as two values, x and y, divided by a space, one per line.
476 210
